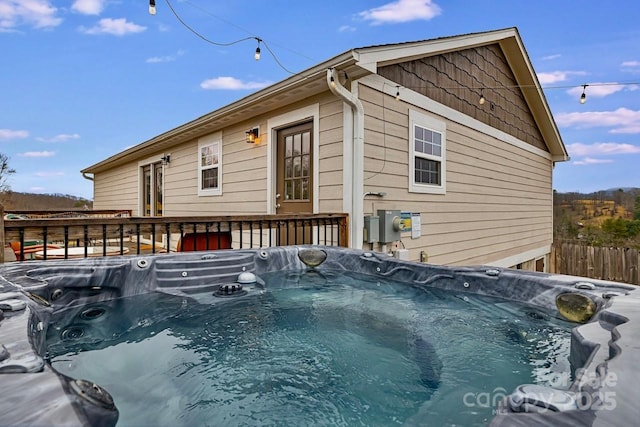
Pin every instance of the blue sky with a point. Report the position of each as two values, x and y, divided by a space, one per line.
82 80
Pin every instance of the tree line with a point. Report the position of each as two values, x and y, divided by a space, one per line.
603 218
11 200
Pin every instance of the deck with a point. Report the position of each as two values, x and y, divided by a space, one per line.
72 234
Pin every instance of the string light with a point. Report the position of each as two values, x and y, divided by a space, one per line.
583 97
332 81
482 100
258 39
256 56
397 93
152 10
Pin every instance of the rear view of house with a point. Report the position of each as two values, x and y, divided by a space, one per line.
453 133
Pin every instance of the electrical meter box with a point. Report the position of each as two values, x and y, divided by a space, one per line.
390 225
371 229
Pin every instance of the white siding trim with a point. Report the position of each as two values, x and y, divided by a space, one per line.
284 120
207 140
522 257
389 87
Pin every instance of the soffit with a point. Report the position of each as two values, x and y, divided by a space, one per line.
296 88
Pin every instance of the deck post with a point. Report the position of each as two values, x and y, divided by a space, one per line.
343 233
2 234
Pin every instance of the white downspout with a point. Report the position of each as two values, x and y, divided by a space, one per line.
356 219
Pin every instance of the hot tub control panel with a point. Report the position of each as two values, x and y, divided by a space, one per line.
390 225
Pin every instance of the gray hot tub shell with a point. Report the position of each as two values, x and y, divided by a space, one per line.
604 351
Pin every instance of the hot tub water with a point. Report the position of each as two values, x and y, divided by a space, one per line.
330 348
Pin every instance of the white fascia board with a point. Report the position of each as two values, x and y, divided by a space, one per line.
372 57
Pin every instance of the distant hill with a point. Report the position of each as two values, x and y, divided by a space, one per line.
602 218
42 202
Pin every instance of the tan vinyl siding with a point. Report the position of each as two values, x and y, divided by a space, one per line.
498 200
244 171
243 178
330 155
117 189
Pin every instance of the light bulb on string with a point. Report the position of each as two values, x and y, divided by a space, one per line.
152 7
256 55
583 97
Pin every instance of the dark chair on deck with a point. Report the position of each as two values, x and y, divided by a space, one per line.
198 241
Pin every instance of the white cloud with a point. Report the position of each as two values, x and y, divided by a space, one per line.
630 64
600 89
231 83
590 161
63 137
36 13
48 174
88 7
628 129
116 27
551 57
602 148
38 154
7 134
346 29
557 76
621 120
159 59
401 11
631 67
37 189
168 58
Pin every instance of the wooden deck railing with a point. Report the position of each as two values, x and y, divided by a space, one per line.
118 233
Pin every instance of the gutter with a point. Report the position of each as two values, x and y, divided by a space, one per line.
176 135
85 176
356 211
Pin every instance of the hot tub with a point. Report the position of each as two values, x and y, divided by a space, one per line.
311 335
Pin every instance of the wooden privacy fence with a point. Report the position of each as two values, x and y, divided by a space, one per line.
118 233
606 263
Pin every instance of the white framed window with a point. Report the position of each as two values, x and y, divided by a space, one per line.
427 154
210 165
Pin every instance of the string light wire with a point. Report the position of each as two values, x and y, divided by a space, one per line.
206 12
281 65
522 86
256 38
188 27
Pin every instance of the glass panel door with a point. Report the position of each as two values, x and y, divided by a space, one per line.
157 195
294 183
146 190
152 186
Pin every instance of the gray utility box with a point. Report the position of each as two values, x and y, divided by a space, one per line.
371 229
390 225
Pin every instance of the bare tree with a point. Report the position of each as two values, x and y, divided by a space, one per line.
5 172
